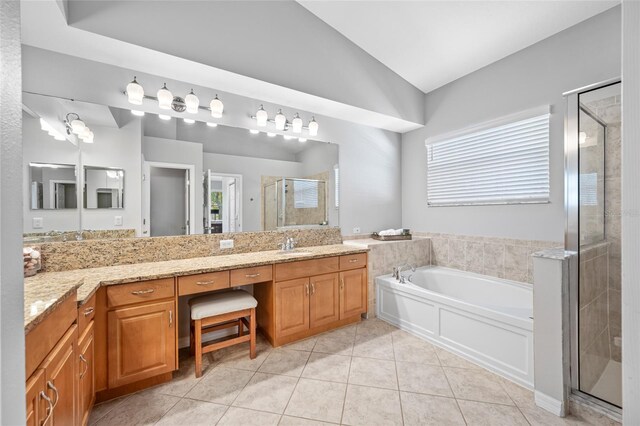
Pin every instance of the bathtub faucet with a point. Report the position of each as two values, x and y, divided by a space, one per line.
397 272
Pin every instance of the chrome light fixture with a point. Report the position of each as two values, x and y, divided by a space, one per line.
74 125
280 120
165 98
262 117
135 92
192 102
313 127
216 107
297 124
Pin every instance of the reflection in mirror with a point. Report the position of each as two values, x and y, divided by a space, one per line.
295 202
52 186
223 206
103 188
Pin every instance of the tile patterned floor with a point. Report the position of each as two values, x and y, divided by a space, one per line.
365 374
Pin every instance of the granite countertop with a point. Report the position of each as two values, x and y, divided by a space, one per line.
46 290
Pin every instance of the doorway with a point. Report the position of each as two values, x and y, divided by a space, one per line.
169 199
222 203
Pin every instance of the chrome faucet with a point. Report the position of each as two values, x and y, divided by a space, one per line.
288 245
397 272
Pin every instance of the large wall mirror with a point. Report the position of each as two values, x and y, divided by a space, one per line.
181 177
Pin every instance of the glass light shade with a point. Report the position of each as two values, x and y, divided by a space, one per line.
302 139
254 131
217 107
88 137
271 134
192 102
165 98
138 113
189 121
280 120
313 127
296 123
164 117
210 124
135 92
84 133
78 126
262 117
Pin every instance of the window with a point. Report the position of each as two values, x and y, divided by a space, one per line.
336 176
588 189
305 193
502 162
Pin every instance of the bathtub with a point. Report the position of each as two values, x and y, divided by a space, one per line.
486 320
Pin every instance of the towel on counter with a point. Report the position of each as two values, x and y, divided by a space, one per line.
389 232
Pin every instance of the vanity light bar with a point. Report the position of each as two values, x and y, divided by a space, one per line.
281 123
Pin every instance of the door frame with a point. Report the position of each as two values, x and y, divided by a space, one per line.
210 173
146 193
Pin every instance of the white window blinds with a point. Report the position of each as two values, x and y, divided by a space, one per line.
336 188
502 162
305 194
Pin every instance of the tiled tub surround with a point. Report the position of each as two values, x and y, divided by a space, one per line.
52 287
385 255
112 252
497 257
366 374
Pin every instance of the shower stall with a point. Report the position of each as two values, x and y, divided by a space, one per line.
294 202
593 206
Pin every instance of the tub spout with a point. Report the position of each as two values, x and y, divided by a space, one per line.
397 272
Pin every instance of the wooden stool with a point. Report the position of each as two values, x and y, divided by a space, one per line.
218 311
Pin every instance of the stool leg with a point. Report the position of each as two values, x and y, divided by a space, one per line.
192 345
240 328
252 332
198 344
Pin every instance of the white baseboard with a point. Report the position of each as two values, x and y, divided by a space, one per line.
552 405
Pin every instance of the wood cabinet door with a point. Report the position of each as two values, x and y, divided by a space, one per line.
87 392
353 293
292 306
324 304
37 407
141 342
61 371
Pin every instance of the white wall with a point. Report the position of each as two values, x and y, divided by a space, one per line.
179 152
251 169
39 147
369 157
321 158
12 368
119 148
586 53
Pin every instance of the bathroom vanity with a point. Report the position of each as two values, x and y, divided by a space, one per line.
110 331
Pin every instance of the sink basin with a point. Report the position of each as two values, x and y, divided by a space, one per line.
295 253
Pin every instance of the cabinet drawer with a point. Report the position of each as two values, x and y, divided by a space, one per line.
200 283
86 312
251 275
126 294
353 261
306 268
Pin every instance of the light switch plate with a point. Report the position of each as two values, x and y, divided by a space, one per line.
36 223
356 230
226 244
118 221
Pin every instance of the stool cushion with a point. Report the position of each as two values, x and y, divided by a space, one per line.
221 303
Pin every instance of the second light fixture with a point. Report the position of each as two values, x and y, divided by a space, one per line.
281 123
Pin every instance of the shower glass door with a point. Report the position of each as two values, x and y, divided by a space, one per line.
594 196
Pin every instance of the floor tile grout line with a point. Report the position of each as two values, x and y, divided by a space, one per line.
296 386
451 388
514 402
395 366
346 390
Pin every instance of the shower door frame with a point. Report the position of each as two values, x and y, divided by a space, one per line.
572 230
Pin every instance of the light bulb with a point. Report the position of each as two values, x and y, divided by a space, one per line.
281 120
254 131
210 124
271 134
164 117
165 98
189 121
583 137
135 92
78 126
262 117
313 127
138 113
192 102
302 139
216 107
297 124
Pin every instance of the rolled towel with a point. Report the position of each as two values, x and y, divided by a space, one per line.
387 232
